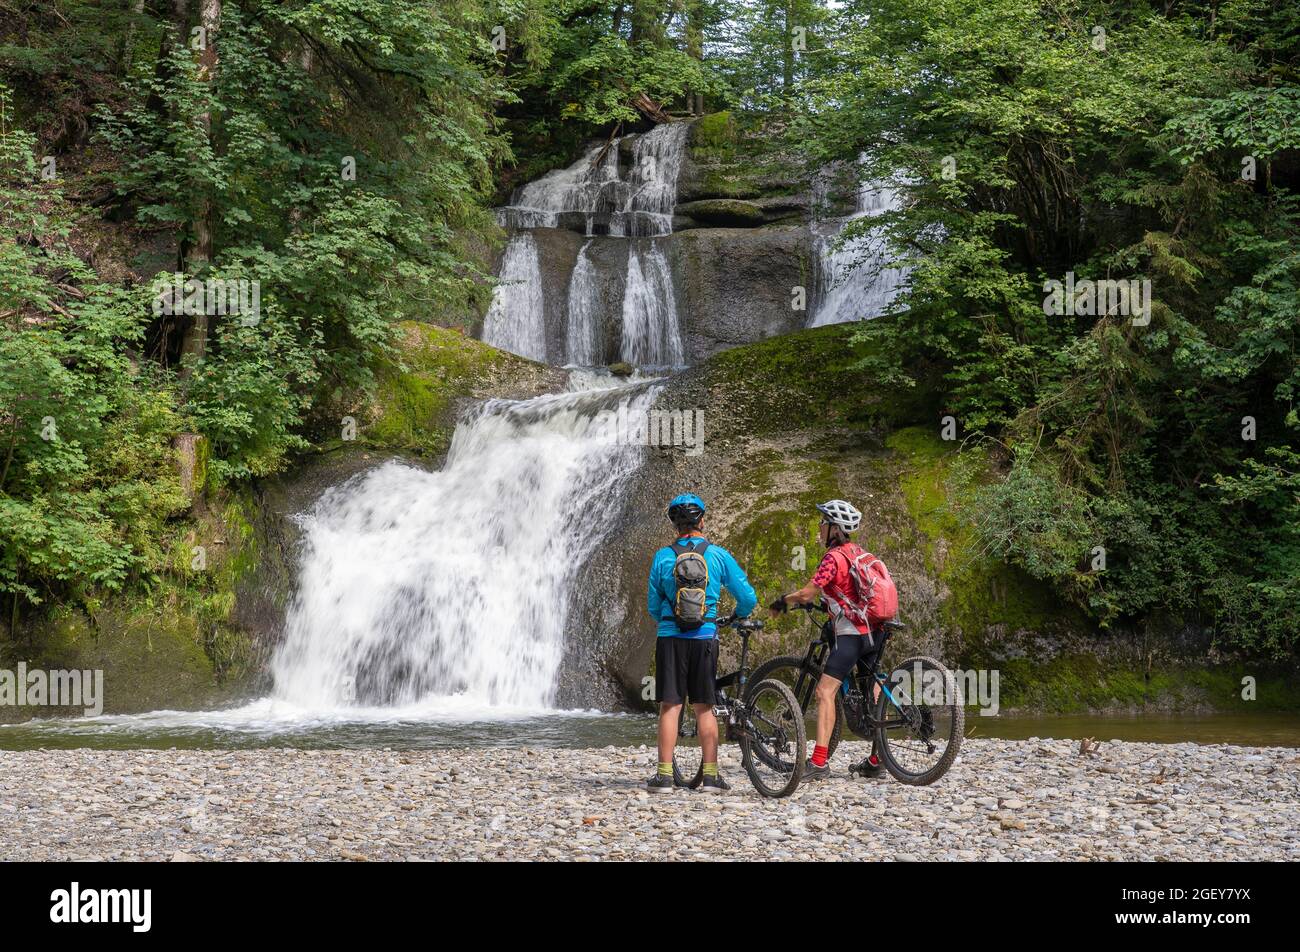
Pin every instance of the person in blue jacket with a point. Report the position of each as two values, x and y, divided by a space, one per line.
686 661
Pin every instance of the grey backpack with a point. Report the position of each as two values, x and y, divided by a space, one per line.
691 573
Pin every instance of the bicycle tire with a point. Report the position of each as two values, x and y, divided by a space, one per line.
956 713
791 665
784 697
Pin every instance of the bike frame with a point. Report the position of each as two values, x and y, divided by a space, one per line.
864 676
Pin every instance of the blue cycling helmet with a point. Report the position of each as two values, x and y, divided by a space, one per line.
686 509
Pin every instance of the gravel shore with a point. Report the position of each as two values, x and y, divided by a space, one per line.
1002 800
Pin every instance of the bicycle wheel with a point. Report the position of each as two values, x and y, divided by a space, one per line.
688 757
787 670
920 721
774 743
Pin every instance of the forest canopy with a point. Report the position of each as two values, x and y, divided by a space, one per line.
346 154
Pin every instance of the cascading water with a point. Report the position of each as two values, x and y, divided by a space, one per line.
583 332
450 588
598 196
516 319
424 590
853 283
651 333
446 597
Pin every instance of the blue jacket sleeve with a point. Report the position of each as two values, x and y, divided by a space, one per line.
654 600
737 584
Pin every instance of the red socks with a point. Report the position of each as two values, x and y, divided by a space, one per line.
820 755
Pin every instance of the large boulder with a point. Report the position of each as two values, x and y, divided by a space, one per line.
739 285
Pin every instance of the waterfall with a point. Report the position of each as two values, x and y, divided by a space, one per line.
516 319
651 336
450 589
656 162
598 193
853 283
601 195
583 334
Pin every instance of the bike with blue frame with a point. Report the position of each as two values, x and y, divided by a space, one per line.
913 711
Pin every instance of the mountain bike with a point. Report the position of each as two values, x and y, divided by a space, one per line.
761 715
913 712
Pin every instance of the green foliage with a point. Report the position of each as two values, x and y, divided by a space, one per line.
85 466
240 157
1031 144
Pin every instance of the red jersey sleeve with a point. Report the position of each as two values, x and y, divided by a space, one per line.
825 573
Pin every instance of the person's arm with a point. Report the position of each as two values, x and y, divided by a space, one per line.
737 583
654 600
810 592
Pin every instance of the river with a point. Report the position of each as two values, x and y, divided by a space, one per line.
268 723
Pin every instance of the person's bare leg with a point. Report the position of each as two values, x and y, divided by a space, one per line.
669 716
708 725
826 689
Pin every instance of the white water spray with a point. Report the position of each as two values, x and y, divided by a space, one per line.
651 335
600 194
516 319
852 282
452 588
583 334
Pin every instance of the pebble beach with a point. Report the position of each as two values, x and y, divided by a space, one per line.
1002 800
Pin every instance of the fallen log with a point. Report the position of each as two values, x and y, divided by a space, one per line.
650 109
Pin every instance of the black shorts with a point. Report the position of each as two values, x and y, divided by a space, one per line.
686 668
849 649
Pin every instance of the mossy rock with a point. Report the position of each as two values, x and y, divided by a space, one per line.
723 212
715 132
798 419
433 368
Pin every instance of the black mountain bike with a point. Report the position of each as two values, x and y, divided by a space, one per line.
914 712
762 716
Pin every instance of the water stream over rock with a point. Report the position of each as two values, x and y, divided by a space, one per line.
853 282
417 587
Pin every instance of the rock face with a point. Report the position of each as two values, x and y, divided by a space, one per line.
776 442
739 247
738 285
723 212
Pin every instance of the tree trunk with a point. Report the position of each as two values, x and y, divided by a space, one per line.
195 341
127 46
695 48
787 52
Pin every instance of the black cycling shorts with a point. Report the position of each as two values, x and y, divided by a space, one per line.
849 649
686 668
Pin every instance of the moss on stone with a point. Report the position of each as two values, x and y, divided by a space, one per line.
723 212
418 388
714 132
790 442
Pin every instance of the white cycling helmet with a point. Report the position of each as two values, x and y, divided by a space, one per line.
839 513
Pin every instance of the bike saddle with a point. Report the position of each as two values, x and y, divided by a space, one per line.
894 625
748 624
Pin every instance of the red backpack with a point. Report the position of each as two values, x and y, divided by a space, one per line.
875 596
